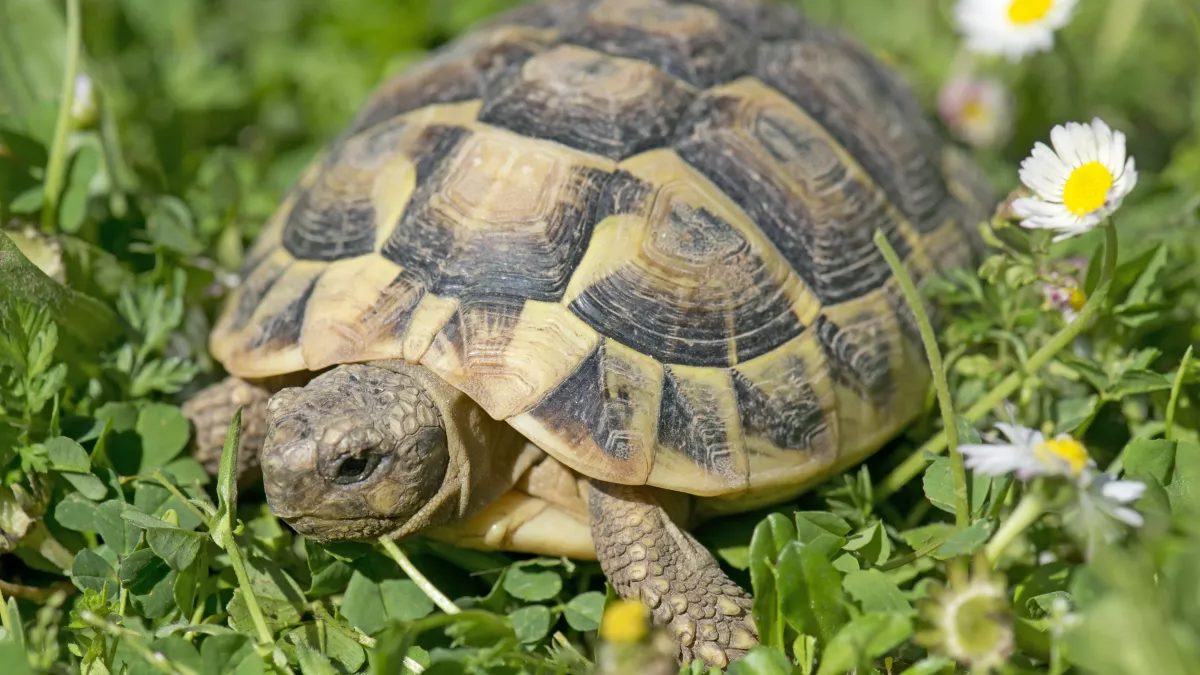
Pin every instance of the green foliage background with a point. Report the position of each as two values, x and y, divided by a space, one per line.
119 555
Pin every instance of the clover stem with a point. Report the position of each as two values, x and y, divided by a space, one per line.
915 463
239 569
1029 509
962 514
419 579
56 167
1175 388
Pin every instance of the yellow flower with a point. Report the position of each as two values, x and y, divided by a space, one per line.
624 621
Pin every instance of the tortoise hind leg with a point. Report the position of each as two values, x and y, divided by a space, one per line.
648 557
210 410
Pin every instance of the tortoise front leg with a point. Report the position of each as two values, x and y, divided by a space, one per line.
210 410
647 557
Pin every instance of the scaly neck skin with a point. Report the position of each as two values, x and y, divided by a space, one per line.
487 456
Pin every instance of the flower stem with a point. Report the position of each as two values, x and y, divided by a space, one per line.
419 579
56 168
915 463
962 508
1175 388
1120 21
4 620
1030 508
239 570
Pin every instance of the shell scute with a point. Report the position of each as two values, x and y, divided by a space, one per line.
588 100
684 276
603 417
686 41
809 196
864 107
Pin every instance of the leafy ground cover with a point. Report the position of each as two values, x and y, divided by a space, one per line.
126 213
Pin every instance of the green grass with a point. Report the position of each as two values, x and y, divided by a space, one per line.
123 224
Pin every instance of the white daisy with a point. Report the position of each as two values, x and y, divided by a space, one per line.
977 110
1028 454
1102 507
1111 496
1078 183
1012 28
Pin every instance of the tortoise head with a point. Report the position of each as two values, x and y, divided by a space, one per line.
358 452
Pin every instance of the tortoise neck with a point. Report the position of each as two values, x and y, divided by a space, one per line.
486 455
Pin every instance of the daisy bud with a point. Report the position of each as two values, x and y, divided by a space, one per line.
969 619
85 111
977 110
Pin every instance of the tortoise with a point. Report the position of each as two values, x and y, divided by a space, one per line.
593 273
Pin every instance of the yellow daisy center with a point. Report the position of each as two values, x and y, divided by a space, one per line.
624 621
1076 299
974 111
1066 450
1027 11
1087 188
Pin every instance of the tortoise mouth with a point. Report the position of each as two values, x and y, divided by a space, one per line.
330 530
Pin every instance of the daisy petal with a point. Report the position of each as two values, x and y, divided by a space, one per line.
1020 436
1128 516
1027 207
1117 153
995 460
1123 491
1084 140
1061 137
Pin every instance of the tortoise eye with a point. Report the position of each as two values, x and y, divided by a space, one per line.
354 469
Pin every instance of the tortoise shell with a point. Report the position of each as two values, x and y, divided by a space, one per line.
640 231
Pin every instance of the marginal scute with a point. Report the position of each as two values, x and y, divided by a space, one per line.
788 410
269 342
870 113
240 306
359 311
506 353
603 417
797 184
500 215
683 278
336 217
685 41
860 355
282 329
588 100
700 445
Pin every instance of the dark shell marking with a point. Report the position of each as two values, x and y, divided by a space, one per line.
687 42
588 100
639 230
695 294
863 107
